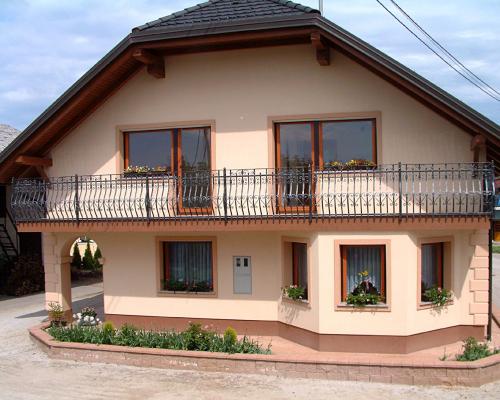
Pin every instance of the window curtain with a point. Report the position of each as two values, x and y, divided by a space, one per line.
190 262
300 255
429 266
363 258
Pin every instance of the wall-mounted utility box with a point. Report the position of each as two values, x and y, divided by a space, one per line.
242 275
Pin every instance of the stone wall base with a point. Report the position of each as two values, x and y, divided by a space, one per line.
323 342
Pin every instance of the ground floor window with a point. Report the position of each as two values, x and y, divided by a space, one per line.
296 266
432 268
363 268
188 266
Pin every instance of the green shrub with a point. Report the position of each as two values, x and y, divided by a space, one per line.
24 275
230 336
193 338
437 296
56 314
474 350
294 292
97 257
88 259
77 258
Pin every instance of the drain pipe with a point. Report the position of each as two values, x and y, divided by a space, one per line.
490 280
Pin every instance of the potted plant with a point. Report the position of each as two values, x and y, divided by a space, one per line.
334 166
87 317
56 314
359 164
175 286
364 293
437 296
294 292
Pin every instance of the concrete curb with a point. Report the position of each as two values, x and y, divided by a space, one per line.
366 368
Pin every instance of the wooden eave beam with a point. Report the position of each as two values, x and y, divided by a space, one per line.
477 143
155 64
322 49
34 161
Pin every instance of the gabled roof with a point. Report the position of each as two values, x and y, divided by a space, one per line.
215 11
230 24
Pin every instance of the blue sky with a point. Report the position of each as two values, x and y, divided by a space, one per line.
48 44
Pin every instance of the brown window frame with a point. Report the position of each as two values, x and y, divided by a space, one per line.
176 161
295 266
343 268
440 259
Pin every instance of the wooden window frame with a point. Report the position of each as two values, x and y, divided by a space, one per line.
161 265
285 263
320 137
277 126
344 266
126 145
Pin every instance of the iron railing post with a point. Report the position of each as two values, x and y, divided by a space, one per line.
400 191
77 200
148 200
224 194
310 177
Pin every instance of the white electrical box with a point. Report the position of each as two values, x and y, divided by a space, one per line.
242 275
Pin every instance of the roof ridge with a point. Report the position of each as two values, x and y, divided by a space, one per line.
287 3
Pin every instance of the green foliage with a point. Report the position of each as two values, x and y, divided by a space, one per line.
77 258
97 257
181 286
21 276
193 338
365 293
294 292
230 336
496 248
437 296
474 350
88 259
56 314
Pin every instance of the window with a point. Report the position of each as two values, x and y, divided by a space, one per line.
188 266
184 152
318 143
363 263
296 265
432 267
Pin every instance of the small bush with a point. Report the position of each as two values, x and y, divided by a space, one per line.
77 258
97 257
24 275
474 350
88 259
56 314
193 338
230 336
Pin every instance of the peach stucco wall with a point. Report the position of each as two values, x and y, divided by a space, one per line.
131 282
239 90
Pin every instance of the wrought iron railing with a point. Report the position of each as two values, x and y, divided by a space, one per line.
396 190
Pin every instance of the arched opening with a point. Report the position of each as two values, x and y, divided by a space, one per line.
82 263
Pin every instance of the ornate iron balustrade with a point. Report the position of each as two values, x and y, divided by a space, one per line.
396 190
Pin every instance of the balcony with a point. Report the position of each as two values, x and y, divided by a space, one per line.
390 191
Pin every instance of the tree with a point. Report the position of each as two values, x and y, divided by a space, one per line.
97 256
77 258
88 260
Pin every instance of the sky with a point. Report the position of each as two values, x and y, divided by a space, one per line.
48 44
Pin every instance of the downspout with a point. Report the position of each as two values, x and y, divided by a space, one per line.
490 280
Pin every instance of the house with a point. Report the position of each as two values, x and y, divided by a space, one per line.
240 147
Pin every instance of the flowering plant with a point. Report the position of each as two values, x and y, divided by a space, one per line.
143 169
437 296
294 292
87 317
364 292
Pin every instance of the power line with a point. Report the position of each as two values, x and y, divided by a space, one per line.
443 48
493 96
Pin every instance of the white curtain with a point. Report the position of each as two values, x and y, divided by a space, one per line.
429 266
363 258
190 262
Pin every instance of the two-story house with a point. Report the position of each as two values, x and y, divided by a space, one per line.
230 150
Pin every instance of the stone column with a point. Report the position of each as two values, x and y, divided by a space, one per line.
479 281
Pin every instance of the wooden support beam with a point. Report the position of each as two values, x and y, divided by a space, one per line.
34 161
477 143
322 49
42 173
155 64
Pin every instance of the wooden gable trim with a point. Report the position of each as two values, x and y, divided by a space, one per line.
322 49
34 161
155 64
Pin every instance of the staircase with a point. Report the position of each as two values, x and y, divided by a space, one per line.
9 240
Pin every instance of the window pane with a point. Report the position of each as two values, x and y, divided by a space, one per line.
189 264
300 265
195 166
295 145
360 259
150 149
347 140
431 266
295 158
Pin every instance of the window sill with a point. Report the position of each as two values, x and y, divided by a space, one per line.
300 303
168 293
427 305
368 308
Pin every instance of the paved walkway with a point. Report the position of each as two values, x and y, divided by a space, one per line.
27 373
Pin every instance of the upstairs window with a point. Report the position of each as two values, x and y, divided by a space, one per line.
151 149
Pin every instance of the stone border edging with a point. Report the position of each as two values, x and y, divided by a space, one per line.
367 368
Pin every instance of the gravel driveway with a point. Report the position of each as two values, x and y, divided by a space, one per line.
27 373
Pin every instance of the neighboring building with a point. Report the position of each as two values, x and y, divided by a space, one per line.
247 114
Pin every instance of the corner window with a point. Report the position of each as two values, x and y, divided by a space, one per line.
432 268
188 266
363 266
296 266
